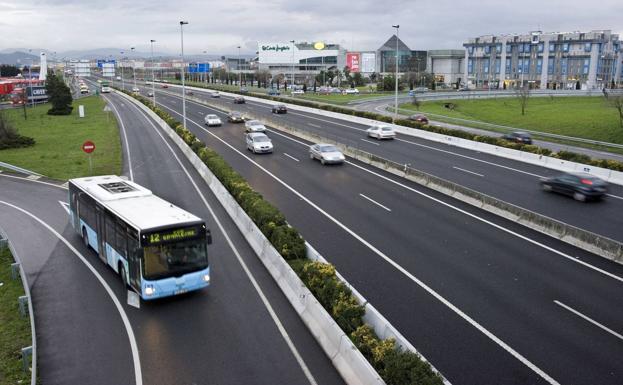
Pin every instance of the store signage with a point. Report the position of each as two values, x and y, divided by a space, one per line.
275 47
352 61
319 45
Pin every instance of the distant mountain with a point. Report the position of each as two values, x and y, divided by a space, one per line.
18 58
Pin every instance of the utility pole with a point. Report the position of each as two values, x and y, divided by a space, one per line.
182 23
153 76
397 26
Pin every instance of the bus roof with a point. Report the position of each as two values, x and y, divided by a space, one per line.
135 204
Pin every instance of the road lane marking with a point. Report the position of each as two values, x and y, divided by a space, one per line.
614 196
313 125
464 170
138 376
65 206
291 157
63 186
375 202
617 335
125 137
258 289
371 142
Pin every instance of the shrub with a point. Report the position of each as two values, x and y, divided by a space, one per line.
288 242
10 138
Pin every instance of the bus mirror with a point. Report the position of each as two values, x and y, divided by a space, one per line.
208 237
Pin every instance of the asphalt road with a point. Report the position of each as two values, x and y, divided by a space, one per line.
485 300
239 330
511 181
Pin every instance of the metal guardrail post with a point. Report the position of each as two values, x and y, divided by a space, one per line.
4 243
14 270
26 354
23 305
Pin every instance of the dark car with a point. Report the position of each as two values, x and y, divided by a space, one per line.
273 92
238 100
419 118
164 86
235 117
518 137
280 109
580 186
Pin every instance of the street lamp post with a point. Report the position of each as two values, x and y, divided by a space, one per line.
205 74
183 81
153 77
397 26
133 66
239 69
122 81
292 41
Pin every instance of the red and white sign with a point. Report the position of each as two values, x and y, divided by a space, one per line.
88 147
352 61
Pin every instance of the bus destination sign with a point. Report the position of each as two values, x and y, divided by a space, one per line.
167 236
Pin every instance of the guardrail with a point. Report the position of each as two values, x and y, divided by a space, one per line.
586 240
347 359
19 169
24 301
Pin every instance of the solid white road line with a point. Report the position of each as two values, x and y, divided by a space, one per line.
432 292
291 157
138 376
375 202
313 125
247 271
371 142
614 196
65 206
125 137
464 170
617 335
63 187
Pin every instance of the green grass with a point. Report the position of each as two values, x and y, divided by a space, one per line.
340 99
58 150
583 117
14 329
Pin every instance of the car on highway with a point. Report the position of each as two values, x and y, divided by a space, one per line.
351 91
215 94
164 86
99 80
279 109
147 82
381 131
419 118
518 137
135 89
235 117
212 120
118 77
273 92
244 90
421 89
150 93
326 153
581 186
258 143
254 126
297 92
239 100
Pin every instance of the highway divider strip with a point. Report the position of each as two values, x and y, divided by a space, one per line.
346 357
583 239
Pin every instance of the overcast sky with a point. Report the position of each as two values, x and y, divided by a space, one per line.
219 26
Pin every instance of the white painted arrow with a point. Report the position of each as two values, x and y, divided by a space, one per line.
65 206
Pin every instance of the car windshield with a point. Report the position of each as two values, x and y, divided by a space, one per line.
260 138
254 123
175 259
328 148
235 114
386 128
212 117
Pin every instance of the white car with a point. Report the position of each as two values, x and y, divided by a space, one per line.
215 95
381 131
135 89
118 77
258 142
351 91
254 126
297 92
326 153
212 120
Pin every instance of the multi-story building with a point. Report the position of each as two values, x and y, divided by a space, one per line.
408 60
588 60
446 65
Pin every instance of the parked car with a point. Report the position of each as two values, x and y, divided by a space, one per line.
419 118
297 92
273 92
351 91
235 117
254 126
518 137
580 186
258 142
381 131
279 109
326 153
212 120
239 100
215 94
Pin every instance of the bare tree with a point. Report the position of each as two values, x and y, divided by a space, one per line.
523 94
617 102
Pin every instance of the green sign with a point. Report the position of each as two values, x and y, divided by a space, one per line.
171 235
276 48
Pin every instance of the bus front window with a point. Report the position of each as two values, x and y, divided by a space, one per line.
170 260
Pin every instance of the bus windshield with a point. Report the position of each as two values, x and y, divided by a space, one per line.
174 259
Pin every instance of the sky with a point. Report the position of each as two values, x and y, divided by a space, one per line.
218 27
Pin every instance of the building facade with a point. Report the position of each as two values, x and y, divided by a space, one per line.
408 60
304 60
586 60
446 65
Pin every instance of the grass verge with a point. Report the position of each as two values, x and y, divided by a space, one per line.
58 150
14 329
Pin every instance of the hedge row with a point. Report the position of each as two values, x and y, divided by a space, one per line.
564 155
395 365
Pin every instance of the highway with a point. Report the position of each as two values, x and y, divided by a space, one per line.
239 330
485 300
511 181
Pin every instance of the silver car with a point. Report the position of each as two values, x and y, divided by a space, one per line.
258 142
326 153
212 120
254 126
381 132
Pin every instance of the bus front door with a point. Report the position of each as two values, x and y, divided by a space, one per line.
134 266
99 213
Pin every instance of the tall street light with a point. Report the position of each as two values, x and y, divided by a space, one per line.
205 74
153 77
122 82
292 41
183 82
397 26
239 70
133 66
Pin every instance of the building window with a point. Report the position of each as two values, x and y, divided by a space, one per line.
565 47
509 48
587 64
470 66
526 66
486 66
526 47
541 47
520 46
552 46
498 65
471 49
508 65
498 48
487 49
587 47
563 65
539 65
550 65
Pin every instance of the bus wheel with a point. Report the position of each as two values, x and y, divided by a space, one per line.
85 237
124 278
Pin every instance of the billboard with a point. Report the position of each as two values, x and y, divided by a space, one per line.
194 68
100 62
368 62
353 61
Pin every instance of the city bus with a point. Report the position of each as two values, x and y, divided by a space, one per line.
105 88
157 248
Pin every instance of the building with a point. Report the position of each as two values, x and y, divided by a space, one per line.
554 60
408 60
80 68
446 65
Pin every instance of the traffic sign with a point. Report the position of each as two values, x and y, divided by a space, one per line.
88 147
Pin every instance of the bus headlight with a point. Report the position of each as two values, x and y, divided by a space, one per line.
206 278
149 290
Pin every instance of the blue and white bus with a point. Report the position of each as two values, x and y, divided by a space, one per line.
157 248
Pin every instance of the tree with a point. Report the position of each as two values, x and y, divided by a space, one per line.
304 87
346 72
523 94
9 70
10 138
357 78
617 103
330 76
373 76
388 83
59 95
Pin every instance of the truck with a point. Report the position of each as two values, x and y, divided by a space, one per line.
105 88
28 95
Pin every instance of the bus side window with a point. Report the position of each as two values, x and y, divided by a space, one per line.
121 244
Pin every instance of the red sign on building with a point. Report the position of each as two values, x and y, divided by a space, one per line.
353 60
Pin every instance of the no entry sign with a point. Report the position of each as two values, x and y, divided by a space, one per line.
88 147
